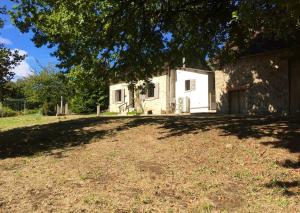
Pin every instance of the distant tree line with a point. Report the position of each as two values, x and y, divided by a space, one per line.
81 88
43 90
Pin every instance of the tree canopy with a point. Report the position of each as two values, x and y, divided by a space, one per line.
8 60
45 89
131 40
88 90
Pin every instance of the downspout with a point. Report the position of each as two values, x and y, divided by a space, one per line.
169 89
290 85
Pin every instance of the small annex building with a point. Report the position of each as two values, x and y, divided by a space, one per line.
182 90
261 83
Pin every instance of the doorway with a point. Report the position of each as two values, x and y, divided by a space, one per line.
295 87
237 102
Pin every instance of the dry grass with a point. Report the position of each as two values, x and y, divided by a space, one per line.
155 164
35 119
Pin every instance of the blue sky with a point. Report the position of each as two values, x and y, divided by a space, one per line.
14 39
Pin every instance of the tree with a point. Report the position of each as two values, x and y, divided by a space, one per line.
133 39
8 60
46 88
88 90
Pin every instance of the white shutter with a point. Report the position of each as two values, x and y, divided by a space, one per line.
193 84
123 95
156 91
113 96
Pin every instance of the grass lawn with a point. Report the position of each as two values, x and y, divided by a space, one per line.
30 120
203 163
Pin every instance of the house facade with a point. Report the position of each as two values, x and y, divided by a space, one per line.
258 84
182 90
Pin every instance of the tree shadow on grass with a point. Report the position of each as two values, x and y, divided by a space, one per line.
289 188
27 141
285 131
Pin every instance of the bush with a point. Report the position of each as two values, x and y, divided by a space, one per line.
134 113
109 113
33 111
8 112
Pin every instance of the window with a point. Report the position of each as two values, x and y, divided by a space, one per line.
190 85
151 91
118 95
187 85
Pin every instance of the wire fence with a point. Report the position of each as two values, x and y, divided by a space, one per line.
10 107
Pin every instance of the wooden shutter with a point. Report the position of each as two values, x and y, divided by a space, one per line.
156 91
193 84
113 96
123 95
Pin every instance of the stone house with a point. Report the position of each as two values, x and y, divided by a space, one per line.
181 90
267 82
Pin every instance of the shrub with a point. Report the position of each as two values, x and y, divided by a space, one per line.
7 112
134 113
109 113
33 111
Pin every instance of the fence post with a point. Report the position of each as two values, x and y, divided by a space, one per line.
61 105
66 109
209 100
1 106
24 107
57 110
98 110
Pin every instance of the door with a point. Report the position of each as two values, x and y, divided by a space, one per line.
237 102
295 87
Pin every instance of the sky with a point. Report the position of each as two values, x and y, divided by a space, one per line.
12 38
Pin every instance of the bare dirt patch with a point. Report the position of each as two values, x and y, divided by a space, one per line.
201 163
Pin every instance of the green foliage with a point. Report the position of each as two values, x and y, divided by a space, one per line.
131 40
8 60
83 90
46 88
7 112
33 112
109 113
134 113
89 90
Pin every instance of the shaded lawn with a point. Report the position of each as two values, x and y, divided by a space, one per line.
35 119
190 163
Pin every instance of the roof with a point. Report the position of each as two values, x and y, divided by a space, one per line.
194 70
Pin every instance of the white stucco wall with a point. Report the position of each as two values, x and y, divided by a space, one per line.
114 106
158 105
199 96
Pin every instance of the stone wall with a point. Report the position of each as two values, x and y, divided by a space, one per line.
262 77
221 79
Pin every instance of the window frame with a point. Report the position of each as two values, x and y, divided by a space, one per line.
152 88
189 85
118 95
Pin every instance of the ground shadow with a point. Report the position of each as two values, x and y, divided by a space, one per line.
285 131
28 141
67 134
285 186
